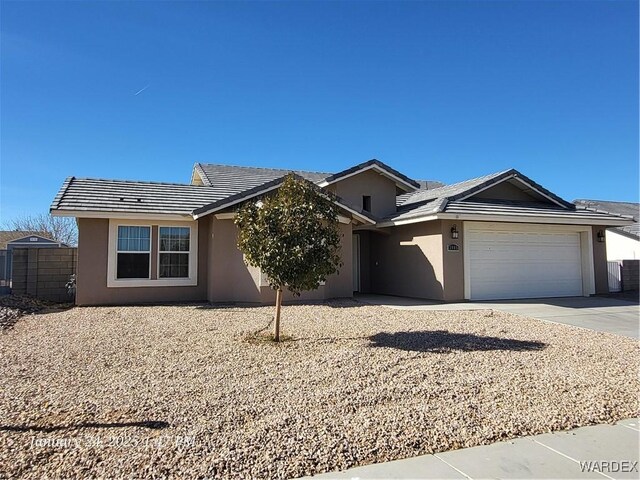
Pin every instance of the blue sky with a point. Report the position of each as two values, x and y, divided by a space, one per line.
438 90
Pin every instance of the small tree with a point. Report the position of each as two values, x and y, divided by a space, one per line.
60 229
292 237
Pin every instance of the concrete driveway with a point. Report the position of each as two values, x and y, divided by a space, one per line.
602 314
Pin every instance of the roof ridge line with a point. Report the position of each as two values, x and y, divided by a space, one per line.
264 168
63 189
597 210
603 201
146 182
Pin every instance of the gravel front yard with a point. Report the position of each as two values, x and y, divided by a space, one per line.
181 390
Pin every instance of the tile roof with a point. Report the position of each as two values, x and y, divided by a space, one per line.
452 190
534 209
498 208
447 199
229 180
617 208
458 190
232 200
231 185
99 195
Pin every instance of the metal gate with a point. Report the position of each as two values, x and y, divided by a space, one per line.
5 271
614 274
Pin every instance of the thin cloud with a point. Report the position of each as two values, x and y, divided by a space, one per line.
141 90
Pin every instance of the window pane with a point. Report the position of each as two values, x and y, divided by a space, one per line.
134 239
174 239
133 265
174 265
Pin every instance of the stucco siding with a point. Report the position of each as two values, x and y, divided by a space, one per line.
341 284
231 280
621 247
599 262
408 261
381 190
452 262
93 248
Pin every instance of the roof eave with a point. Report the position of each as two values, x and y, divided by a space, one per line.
609 222
121 215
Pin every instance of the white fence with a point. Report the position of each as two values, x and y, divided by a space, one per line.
615 276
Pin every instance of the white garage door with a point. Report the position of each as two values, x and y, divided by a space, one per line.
515 263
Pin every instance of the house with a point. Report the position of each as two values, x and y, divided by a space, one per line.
623 243
498 236
10 239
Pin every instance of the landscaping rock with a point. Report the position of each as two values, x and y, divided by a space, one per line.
186 391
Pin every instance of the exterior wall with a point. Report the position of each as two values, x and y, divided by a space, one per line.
630 275
231 280
380 188
43 272
414 261
453 262
621 247
222 273
93 240
408 261
599 262
365 260
341 284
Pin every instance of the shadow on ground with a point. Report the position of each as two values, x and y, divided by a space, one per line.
155 425
442 341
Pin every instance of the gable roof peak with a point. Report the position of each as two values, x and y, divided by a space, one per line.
468 188
404 182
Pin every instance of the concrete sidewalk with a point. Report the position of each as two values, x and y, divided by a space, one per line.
579 453
602 314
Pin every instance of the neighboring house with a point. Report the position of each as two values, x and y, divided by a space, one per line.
623 243
499 236
10 239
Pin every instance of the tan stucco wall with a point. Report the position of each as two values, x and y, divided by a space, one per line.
380 188
93 239
365 260
452 262
599 261
341 283
222 273
231 280
408 261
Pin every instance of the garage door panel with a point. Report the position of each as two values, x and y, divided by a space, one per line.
514 264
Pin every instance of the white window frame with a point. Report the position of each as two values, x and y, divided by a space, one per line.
170 251
112 259
148 252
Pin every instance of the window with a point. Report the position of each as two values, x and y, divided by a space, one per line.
149 253
174 252
366 203
133 252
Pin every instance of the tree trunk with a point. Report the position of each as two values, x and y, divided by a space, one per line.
276 333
